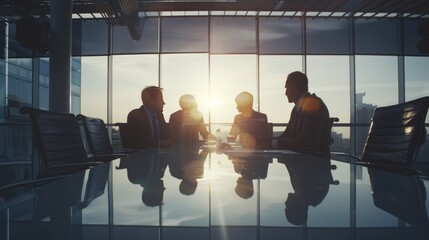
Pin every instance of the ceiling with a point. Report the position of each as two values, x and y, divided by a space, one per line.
343 8
127 12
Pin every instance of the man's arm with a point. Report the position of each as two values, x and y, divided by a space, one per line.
308 134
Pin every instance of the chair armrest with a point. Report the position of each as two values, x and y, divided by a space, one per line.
404 170
106 157
342 154
126 151
5 190
66 169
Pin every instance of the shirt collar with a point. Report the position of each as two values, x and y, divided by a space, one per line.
149 112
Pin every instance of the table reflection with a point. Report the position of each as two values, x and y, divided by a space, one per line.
218 195
400 196
310 177
147 170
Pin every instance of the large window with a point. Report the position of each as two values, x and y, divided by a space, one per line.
185 74
232 35
273 71
376 84
230 75
94 87
329 79
131 73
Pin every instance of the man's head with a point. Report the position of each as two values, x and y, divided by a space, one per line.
296 85
152 98
244 101
187 101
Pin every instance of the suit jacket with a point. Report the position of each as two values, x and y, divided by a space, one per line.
186 131
140 135
309 127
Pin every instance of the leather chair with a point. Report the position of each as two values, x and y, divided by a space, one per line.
395 136
98 139
59 141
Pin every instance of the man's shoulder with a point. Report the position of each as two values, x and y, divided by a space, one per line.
259 115
176 113
311 103
137 113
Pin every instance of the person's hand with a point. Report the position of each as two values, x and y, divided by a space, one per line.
211 137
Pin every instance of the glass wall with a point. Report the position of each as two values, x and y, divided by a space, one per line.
131 73
353 64
185 74
214 58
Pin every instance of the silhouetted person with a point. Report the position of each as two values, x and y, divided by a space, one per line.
309 127
247 125
186 124
146 168
187 165
310 177
147 125
249 168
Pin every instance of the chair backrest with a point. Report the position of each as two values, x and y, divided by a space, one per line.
126 135
332 120
57 136
396 133
96 134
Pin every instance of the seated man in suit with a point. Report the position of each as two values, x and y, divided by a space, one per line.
147 125
248 123
185 124
309 127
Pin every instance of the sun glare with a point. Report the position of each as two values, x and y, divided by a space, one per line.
214 103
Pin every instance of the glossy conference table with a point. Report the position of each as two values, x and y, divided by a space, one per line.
187 193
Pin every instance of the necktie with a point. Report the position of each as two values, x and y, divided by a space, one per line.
155 131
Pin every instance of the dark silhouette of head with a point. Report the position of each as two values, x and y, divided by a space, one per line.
152 98
296 211
296 85
244 187
153 193
188 187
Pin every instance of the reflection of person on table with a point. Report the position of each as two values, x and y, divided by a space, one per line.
147 170
309 127
310 177
186 124
244 101
249 168
188 165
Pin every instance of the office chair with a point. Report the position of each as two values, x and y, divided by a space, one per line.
98 139
126 136
332 121
395 135
58 138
